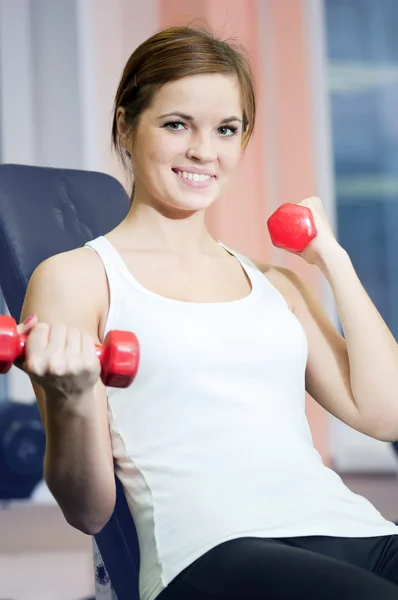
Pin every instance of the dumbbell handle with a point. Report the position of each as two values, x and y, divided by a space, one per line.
22 344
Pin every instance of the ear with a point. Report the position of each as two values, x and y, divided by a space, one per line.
122 128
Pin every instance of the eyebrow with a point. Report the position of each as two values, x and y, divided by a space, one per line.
189 118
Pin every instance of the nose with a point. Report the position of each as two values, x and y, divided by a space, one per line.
202 149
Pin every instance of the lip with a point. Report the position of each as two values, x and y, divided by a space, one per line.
194 170
198 185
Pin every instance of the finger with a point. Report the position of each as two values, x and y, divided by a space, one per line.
73 342
89 355
88 349
55 351
27 325
38 337
312 201
73 352
57 339
36 344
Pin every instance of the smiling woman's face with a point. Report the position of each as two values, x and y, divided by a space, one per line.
187 144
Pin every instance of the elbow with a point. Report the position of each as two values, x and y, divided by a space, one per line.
384 436
87 525
384 431
88 522
390 436
89 518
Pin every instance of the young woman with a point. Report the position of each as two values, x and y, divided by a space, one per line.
211 441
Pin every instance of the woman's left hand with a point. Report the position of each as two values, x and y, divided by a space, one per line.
325 243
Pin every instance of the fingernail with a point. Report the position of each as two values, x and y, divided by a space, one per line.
29 319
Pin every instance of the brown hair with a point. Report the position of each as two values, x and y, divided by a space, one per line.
174 53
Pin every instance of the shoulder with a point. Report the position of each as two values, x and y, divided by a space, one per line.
68 286
80 267
286 281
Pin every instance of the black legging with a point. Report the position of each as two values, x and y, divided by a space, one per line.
304 568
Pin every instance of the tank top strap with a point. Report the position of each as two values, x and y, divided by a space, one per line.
108 254
256 276
244 261
113 264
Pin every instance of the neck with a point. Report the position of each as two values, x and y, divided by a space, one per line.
169 230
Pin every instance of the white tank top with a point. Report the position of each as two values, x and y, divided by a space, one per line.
211 441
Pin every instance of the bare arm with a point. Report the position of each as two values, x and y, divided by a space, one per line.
78 465
341 375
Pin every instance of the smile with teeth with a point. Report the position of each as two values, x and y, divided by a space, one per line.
193 176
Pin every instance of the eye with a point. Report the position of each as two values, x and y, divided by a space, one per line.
228 130
174 125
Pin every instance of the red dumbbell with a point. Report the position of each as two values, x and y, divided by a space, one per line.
292 227
119 355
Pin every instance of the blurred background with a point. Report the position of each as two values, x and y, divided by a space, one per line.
327 87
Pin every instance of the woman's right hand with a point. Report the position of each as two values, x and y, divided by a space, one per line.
61 359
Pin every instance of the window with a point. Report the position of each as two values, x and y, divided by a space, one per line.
362 54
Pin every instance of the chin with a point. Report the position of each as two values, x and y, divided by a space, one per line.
192 203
